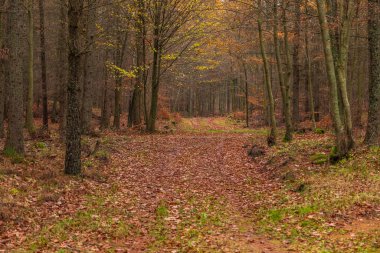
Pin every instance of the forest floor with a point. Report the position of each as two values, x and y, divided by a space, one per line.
193 189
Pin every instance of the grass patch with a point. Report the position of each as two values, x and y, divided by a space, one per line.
13 155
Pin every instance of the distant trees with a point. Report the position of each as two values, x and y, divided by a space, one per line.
141 60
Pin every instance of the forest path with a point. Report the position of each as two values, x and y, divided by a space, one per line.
192 193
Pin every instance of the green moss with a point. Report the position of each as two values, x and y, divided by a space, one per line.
319 158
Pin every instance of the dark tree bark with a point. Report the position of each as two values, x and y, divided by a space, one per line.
89 65
73 131
29 121
62 68
373 128
15 139
45 116
3 62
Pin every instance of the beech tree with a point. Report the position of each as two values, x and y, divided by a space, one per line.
336 65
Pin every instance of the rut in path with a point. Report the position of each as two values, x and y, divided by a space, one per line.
172 169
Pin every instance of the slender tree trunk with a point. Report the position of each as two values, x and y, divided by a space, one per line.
310 87
15 139
284 84
73 132
45 117
273 131
296 64
106 113
29 108
246 96
119 81
90 61
341 140
341 69
62 68
373 127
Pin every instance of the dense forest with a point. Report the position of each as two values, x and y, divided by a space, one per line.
256 119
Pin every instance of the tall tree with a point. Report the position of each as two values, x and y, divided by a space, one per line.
296 63
62 62
45 119
15 139
336 66
373 128
29 122
3 59
284 80
73 131
89 67
268 84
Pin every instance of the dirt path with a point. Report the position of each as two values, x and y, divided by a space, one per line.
183 192
207 173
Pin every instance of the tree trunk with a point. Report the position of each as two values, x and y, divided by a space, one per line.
296 64
151 126
45 119
29 108
310 87
373 127
246 96
62 69
284 84
3 59
341 69
341 140
73 132
106 113
273 131
15 139
89 65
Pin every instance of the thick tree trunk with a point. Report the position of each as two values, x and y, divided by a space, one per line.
3 59
73 132
373 128
15 139
89 65
29 108
45 116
